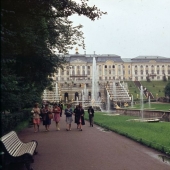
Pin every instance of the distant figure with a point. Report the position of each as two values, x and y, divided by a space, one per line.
36 117
56 111
91 115
46 120
68 113
61 107
80 115
76 115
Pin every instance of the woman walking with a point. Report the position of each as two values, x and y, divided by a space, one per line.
36 117
46 118
68 113
76 115
80 115
56 111
91 115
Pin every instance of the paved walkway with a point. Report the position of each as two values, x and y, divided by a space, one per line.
90 149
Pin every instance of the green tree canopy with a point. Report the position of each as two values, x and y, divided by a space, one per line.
31 31
167 90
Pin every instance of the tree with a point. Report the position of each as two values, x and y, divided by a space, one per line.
30 33
167 90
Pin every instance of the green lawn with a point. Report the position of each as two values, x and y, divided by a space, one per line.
155 135
153 106
155 87
132 89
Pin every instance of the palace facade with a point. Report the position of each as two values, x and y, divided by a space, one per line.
76 77
112 67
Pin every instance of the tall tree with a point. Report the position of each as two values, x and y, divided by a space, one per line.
31 31
167 90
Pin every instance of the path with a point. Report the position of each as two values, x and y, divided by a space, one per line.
90 149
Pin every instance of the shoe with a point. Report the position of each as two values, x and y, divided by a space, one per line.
58 129
80 129
70 129
35 131
92 125
66 129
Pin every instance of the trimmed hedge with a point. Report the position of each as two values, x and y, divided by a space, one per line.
9 121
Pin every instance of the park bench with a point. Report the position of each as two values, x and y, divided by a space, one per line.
15 151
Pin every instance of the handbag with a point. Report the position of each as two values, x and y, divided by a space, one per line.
50 115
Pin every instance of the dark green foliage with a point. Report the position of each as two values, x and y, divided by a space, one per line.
167 90
9 121
31 32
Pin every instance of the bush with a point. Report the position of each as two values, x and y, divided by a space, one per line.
10 121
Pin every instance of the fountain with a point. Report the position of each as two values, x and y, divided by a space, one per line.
141 101
132 101
142 119
108 102
149 102
95 86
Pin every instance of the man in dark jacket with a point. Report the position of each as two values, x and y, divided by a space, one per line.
91 115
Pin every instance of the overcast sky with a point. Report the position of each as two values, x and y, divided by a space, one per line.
131 28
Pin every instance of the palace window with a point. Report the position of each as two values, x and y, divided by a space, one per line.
128 66
113 66
88 67
157 71
105 66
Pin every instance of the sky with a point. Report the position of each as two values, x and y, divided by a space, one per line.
130 28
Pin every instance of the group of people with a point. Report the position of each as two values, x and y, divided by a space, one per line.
47 114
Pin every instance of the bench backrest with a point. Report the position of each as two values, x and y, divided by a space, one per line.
10 142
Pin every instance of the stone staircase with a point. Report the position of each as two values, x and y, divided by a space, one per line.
52 96
118 92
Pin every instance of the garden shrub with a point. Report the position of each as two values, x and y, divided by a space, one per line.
9 121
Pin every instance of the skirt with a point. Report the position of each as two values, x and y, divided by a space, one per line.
69 120
36 121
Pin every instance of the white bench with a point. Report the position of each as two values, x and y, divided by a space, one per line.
15 151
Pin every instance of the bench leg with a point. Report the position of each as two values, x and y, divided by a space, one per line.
27 165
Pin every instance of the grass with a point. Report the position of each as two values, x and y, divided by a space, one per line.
155 135
133 89
155 87
153 106
22 125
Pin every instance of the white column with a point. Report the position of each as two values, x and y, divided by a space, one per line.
81 70
103 73
144 71
133 73
85 70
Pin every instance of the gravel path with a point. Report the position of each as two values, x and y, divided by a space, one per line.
90 149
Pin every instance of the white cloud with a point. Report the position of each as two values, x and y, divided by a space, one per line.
131 28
